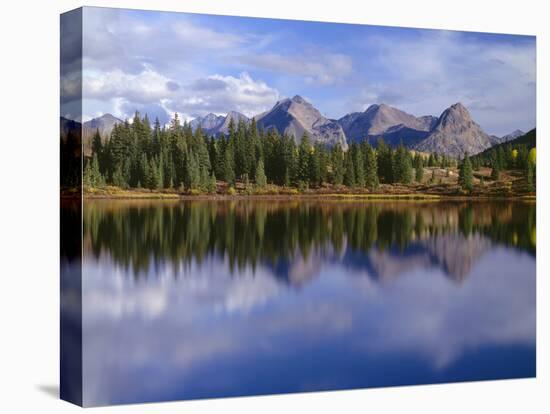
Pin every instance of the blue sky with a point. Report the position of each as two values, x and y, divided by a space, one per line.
161 63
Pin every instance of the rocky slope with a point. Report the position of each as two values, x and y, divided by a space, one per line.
213 124
508 137
208 122
379 120
296 116
455 134
104 124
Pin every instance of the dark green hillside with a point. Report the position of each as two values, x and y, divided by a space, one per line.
522 144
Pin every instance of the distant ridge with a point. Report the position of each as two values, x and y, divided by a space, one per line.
104 124
529 140
212 124
454 133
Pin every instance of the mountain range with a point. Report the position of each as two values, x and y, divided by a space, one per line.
508 137
385 121
452 133
213 124
454 254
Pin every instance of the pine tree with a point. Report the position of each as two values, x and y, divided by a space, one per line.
193 172
252 147
303 159
349 171
402 171
98 177
465 177
419 168
323 163
97 148
160 174
261 179
315 165
92 176
241 161
385 162
118 178
153 175
144 169
359 164
337 157
229 171
156 137
204 178
212 186
87 178
371 168
201 149
219 166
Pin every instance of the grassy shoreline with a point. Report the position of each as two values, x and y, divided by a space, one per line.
443 186
116 193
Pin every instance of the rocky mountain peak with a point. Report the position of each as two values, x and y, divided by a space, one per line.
108 117
296 115
455 134
455 119
298 99
379 119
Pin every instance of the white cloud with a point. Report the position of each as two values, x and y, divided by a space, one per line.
142 87
152 93
496 81
177 319
174 44
242 94
203 37
425 313
320 68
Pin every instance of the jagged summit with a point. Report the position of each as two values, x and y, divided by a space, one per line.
382 120
296 116
456 118
213 124
456 134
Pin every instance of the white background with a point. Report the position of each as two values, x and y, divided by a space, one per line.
29 224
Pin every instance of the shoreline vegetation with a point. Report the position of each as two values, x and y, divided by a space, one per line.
503 192
137 195
140 161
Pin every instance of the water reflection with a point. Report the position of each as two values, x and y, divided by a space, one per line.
207 299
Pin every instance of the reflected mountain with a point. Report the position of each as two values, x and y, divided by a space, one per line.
215 299
295 240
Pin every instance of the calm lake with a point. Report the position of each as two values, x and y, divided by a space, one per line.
220 298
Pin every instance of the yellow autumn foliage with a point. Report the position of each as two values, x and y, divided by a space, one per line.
533 156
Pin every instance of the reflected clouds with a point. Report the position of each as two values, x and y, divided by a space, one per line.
326 316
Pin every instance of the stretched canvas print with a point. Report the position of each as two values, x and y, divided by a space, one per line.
257 206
